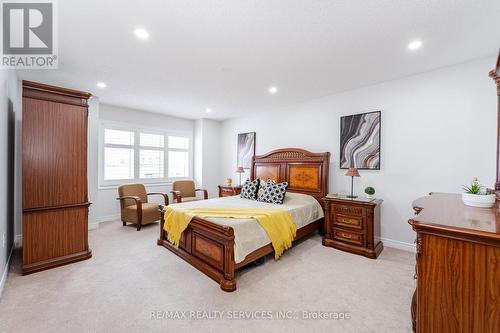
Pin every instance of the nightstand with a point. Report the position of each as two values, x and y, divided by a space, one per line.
227 191
353 225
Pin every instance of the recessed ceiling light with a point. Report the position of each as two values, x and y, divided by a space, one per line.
141 33
101 85
414 45
208 110
273 90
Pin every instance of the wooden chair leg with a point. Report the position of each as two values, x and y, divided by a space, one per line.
139 216
139 222
124 223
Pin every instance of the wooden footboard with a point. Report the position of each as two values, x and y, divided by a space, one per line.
207 246
210 248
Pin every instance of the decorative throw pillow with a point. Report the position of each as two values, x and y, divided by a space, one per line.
249 189
273 193
262 185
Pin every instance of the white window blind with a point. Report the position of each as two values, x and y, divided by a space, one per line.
118 154
178 157
139 155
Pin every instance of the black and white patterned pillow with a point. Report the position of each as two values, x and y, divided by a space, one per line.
262 185
249 189
273 193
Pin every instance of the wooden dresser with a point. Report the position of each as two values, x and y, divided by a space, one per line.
227 191
353 225
458 266
54 166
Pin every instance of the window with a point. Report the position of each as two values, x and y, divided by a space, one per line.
118 154
151 155
178 157
143 156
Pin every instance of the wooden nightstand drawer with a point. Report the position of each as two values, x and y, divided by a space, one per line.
348 221
348 236
348 210
227 191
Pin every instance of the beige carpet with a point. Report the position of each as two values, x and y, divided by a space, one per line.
129 277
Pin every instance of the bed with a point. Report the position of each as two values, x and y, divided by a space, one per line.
218 247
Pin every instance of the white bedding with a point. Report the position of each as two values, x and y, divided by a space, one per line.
248 234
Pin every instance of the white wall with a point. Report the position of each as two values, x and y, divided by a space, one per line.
105 206
92 160
198 152
8 107
207 155
211 156
438 132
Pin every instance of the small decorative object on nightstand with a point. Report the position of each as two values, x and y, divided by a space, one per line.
227 191
370 191
353 225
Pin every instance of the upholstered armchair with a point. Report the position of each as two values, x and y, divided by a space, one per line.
184 191
135 207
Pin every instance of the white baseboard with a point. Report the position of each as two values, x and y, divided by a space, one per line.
93 225
18 241
99 220
5 272
410 247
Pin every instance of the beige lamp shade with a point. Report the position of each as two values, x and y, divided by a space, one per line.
240 169
352 172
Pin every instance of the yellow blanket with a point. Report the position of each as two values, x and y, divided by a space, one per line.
277 223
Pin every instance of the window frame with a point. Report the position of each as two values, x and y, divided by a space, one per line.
103 125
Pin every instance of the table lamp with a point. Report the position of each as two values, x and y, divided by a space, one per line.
240 170
352 172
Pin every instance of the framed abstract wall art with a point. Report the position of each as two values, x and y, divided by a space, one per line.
246 149
360 141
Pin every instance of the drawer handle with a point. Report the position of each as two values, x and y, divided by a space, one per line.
346 236
346 221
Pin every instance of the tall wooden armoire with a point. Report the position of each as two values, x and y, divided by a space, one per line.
55 198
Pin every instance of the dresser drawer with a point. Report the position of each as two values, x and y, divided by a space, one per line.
348 221
348 210
348 236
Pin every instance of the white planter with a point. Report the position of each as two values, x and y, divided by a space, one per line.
479 200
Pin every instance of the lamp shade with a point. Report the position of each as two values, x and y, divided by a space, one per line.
352 172
240 169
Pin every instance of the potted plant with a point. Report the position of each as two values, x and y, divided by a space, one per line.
475 196
370 191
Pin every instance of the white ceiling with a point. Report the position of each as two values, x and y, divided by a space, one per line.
225 54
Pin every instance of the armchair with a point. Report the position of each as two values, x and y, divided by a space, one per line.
135 207
184 191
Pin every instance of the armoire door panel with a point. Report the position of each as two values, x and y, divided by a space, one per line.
54 233
54 154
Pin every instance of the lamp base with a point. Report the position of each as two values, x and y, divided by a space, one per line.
351 196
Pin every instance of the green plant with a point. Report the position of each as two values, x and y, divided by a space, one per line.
370 190
474 188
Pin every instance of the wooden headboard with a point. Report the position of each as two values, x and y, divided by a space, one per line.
304 171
